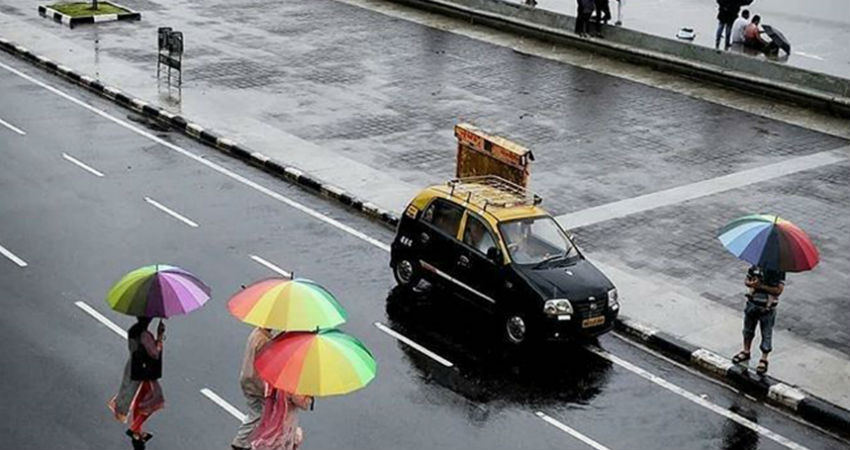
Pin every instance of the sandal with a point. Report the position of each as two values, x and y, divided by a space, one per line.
741 357
761 369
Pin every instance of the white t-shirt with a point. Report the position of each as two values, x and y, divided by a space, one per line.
738 30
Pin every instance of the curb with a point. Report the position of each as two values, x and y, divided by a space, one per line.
745 82
45 11
207 137
791 398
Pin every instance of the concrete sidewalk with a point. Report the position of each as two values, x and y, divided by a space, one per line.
357 111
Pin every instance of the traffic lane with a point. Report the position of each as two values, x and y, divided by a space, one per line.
86 212
178 177
605 401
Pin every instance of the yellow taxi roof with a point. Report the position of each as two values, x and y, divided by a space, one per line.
498 212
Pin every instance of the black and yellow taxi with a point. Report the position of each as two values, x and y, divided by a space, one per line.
492 243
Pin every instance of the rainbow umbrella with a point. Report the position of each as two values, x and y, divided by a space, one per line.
159 290
322 363
769 242
291 305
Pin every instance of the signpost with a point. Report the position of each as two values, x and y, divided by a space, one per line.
170 53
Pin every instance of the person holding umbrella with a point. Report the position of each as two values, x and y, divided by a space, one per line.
152 291
253 388
140 394
773 246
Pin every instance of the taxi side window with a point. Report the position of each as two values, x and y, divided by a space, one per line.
444 216
477 236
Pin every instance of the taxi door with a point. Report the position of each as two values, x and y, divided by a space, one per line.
440 224
477 274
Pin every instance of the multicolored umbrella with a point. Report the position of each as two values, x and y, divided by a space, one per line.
769 242
291 305
159 290
320 363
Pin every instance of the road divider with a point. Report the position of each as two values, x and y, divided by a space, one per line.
171 212
410 343
13 257
12 127
566 429
272 267
101 318
224 404
82 165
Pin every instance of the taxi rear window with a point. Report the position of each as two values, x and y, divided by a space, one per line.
444 216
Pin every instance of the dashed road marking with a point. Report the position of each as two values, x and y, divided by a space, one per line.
171 212
271 266
82 165
572 432
741 420
197 158
413 344
13 257
12 127
224 404
101 318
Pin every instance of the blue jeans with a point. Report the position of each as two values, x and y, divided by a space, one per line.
720 28
763 317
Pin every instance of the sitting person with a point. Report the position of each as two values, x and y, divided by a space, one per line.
753 38
739 26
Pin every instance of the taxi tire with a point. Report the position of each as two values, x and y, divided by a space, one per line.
411 280
508 321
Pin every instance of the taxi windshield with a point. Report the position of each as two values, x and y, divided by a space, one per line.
535 240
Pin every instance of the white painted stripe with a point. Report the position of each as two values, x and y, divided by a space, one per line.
256 186
12 127
572 432
414 345
82 165
788 396
8 253
743 421
809 55
171 212
224 404
101 318
699 189
271 266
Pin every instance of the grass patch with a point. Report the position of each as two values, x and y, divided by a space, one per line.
83 9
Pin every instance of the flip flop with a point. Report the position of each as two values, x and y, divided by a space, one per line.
761 369
741 357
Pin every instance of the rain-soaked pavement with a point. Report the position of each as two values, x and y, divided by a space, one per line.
78 232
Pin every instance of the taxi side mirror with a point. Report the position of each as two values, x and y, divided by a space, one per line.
493 254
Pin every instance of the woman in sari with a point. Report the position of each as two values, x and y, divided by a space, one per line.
278 428
140 395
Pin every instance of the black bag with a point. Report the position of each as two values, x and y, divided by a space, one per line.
144 367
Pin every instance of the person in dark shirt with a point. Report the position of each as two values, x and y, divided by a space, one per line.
765 287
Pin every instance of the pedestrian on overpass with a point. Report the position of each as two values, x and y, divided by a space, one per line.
727 12
584 9
765 287
603 15
140 395
253 388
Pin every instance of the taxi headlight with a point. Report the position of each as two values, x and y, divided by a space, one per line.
613 299
558 307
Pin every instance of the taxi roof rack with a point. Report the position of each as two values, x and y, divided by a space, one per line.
492 190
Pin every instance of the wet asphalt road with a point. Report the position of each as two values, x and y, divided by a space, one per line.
78 233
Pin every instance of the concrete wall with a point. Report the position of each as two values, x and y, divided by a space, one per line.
732 69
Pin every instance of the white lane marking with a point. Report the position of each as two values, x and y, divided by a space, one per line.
271 266
570 431
224 404
101 318
414 345
82 165
8 253
12 127
809 55
680 194
171 212
743 421
292 203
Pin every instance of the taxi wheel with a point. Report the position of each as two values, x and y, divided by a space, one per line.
406 273
515 329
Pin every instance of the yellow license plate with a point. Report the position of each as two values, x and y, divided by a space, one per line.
592 322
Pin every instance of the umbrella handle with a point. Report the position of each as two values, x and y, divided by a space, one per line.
312 402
